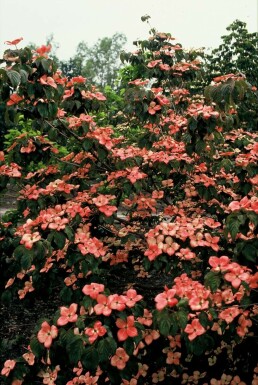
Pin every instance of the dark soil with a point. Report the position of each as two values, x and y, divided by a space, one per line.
17 324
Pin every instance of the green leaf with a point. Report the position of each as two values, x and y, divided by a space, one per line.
87 144
52 110
14 77
40 250
87 302
3 74
164 325
90 358
24 76
66 295
200 146
45 64
182 318
69 232
19 251
106 348
59 239
129 346
43 110
250 252
201 344
203 318
75 350
233 224
102 153
26 260
6 297
36 347
212 280
192 124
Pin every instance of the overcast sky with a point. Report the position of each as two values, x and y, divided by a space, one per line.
194 23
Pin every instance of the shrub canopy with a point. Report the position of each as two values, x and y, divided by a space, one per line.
150 241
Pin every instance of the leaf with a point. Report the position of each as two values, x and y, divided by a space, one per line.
201 344
164 326
43 110
145 18
66 294
87 144
40 250
129 346
6 297
102 153
24 76
87 302
250 252
26 260
200 146
59 239
182 318
45 64
192 125
14 77
19 251
36 347
52 110
3 74
90 358
69 232
106 348
212 280
75 350
25 256
233 224
203 318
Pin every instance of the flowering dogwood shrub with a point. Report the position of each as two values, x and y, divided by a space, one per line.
152 245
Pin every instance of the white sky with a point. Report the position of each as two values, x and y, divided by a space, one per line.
194 23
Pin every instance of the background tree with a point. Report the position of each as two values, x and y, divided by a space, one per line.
238 54
99 63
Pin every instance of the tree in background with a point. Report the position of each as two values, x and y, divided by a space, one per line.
238 54
99 63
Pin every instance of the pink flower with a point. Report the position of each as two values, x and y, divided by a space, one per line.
146 319
127 328
229 314
219 263
134 174
153 108
49 376
119 359
93 289
108 210
194 329
29 239
117 302
43 50
67 314
131 297
98 330
8 366
47 333
48 81
14 99
236 275
103 306
167 298
29 358
14 42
